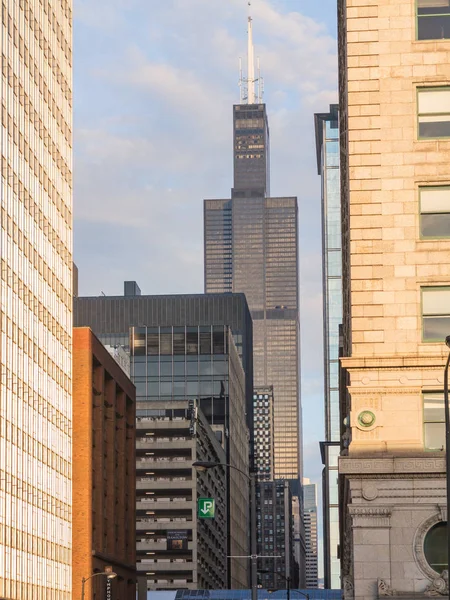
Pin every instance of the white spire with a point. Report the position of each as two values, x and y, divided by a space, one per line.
249 94
250 64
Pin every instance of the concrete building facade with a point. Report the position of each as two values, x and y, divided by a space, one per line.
36 300
104 476
395 176
175 548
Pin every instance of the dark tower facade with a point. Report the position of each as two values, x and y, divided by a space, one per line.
251 246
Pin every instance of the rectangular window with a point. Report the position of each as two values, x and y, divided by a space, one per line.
435 314
434 421
433 106
433 19
434 211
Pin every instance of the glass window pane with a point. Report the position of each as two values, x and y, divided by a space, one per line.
437 225
433 407
434 101
435 27
432 5
166 368
165 341
205 340
138 341
434 436
140 367
179 368
192 367
436 301
435 547
179 341
152 342
192 340
434 127
433 200
153 366
218 340
435 328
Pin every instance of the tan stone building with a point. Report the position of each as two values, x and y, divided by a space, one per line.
395 151
104 475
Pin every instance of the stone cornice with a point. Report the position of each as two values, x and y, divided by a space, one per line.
390 465
412 361
372 517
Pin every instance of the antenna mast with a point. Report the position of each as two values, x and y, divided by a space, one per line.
248 92
250 64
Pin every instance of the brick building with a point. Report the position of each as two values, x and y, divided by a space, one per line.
104 478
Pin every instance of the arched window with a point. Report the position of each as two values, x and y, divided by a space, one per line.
435 547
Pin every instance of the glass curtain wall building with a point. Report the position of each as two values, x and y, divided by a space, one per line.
327 146
36 300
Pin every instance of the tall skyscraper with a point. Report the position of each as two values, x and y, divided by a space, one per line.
327 147
310 514
36 300
251 247
394 118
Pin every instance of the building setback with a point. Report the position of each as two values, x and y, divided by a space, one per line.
175 550
36 300
395 174
327 147
104 476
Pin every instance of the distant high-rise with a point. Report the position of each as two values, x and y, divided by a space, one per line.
251 246
327 148
310 518
36 300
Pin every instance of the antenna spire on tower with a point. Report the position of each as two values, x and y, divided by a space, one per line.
247 85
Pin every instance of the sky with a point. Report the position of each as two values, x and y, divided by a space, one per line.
154 85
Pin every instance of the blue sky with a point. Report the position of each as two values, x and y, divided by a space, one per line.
154 85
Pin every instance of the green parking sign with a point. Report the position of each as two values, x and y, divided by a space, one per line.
206 508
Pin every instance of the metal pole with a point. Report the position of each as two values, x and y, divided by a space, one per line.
253 549
447 453
288 580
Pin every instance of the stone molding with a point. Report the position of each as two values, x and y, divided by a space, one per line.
395 362
391 466
370 517
419 538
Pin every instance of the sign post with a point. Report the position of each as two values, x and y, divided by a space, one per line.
206 508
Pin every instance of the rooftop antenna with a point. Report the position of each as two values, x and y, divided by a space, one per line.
248 93
250 61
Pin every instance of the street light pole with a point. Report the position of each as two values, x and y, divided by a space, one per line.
253 547
204 466
108 574
447 446
288 586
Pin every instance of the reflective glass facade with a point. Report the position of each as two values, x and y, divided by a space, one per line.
327 140
36 300
251 247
